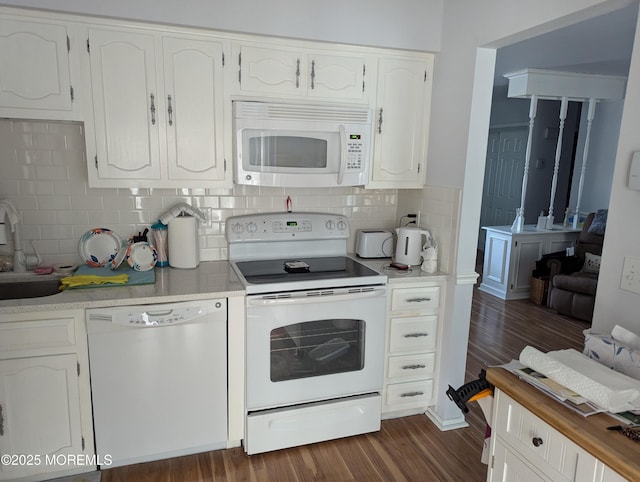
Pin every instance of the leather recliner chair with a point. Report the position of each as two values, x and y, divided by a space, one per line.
572 291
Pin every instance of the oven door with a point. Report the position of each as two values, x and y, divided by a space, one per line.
310 346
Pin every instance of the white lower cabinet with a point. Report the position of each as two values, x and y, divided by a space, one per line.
413 313
525 448
45 401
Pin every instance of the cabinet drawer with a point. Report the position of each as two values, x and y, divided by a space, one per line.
410 393
421 299
539 443
37 335
413 333
420 366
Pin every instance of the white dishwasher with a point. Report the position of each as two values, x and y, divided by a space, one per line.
158 379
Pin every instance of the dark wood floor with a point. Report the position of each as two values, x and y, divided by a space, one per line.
405 449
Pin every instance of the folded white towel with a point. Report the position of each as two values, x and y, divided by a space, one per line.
601 385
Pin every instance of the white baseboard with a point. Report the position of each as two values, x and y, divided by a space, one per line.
445 425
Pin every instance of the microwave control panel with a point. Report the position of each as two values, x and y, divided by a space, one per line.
355 152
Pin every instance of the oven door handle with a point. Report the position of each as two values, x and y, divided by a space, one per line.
314 299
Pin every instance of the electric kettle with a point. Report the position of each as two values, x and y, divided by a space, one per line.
409 245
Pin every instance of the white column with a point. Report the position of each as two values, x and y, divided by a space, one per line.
554 183
590 116
518 223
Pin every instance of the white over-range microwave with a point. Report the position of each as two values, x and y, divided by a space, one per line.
295 145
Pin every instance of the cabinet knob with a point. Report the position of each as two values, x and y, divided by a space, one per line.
536 441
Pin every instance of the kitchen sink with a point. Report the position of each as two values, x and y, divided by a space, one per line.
10 290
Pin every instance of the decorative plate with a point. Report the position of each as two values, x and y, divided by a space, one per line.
99 246
142 256
115 263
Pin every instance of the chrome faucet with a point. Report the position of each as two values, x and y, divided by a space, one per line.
21 261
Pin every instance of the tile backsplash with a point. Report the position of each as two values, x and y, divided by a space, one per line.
44 173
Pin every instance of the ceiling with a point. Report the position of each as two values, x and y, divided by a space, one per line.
601 45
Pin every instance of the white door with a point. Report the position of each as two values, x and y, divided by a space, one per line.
35 70
193 107
40 405
503 177
400 118
334 76
126 96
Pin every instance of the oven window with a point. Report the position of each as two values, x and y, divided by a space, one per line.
288 151
316 348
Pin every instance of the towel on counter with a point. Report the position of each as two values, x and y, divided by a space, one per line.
601 385
90 279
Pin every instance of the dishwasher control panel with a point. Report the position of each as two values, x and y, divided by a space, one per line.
161 314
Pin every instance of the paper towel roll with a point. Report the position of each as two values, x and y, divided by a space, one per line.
184 247
608 389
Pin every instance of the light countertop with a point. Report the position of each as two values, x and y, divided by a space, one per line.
209 279
412 275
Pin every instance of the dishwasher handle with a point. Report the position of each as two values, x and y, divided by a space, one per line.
159 315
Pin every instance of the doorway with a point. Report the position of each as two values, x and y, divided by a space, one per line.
503 177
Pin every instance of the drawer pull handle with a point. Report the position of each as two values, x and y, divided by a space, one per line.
411 394
417 300
537 441
415 335
414 367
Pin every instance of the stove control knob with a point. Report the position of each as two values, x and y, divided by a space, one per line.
330 225
252 227
237 228
342 225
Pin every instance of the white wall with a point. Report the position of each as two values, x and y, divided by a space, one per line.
601 157
622 239
410 24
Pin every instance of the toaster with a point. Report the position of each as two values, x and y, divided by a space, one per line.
374 243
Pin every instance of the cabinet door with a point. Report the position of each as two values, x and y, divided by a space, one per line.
39 398
271 70
508 467
338 77
524 255
194 112
35 80
401 123
125 102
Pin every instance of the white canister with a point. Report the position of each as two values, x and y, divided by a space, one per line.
184 246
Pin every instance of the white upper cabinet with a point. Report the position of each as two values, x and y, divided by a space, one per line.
194 109
157 109
39 64
401 118
125 92
300 73
156 100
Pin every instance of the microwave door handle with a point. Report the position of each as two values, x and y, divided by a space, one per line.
343 153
